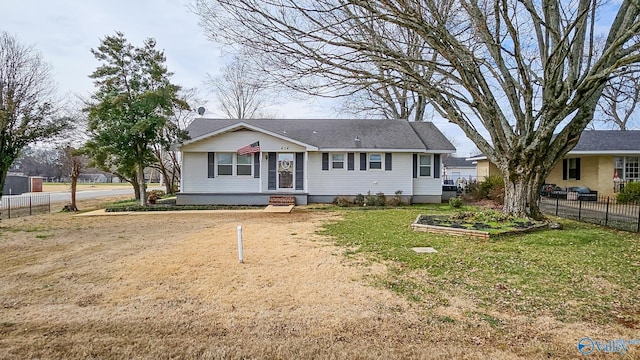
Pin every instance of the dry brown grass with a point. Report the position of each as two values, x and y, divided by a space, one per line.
170 286
55 187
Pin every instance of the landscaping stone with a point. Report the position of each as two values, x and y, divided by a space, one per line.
424 250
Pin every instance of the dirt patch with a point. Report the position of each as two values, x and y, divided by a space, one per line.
170 286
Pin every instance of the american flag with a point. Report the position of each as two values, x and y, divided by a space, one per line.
250 149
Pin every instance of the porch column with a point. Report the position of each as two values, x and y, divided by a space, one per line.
306 171
260 176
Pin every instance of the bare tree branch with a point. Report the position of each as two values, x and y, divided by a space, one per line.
520 78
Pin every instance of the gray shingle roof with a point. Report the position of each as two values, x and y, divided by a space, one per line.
339 133
608 140
457 162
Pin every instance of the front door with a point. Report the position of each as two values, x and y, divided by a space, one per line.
286 171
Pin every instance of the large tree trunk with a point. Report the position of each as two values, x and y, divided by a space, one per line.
168 184
136 188
74 174
141 185
74 186
4 169
521 197
523 178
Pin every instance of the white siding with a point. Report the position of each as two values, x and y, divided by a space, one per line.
427 186
318 181
461 172
232 141
345 182
195 180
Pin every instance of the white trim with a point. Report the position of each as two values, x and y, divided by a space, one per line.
431 167
345 160
382 161
236 126
182 170
606 152
305 170
234 165
383 150
260 174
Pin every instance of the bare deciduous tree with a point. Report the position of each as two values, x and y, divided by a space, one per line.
73 162
620 100
520 78
167 162
239 95
27 105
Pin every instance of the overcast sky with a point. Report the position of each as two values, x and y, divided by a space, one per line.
64 31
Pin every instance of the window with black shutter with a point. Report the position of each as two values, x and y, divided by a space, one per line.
211 166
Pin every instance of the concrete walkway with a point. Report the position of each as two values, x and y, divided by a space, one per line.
269 209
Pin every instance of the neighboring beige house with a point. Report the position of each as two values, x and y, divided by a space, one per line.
484 168
603 160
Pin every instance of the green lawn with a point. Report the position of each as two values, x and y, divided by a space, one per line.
581 273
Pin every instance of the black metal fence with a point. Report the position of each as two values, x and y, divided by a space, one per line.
24 205
604 211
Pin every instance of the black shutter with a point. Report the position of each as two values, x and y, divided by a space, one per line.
564 169
299 171
211 165
351 161
387 161
578 169
415 166
363 161
325 161
436 166
271 181
256 165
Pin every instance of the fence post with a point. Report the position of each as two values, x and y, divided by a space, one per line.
606 213
49 201
579 209
557 204
9 207
30 205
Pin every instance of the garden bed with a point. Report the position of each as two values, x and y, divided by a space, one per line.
484 225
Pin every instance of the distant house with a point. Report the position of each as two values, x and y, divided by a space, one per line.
18 183
603 160
455 170
248 161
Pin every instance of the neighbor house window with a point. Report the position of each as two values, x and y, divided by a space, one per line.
337 161
631 167
627 167
375 161
572 168
244 164
225 164
425 165
618 168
